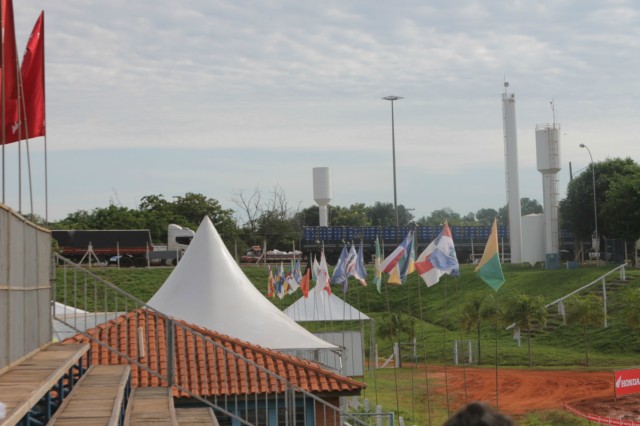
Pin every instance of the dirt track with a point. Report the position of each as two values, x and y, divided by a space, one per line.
521 391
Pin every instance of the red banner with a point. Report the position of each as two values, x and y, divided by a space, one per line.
627 382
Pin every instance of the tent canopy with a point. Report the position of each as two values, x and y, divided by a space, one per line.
208 288
321 306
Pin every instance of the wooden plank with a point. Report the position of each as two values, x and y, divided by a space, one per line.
196 416
151 405
26 383
96 399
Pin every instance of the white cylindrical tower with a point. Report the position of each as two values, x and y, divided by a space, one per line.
533 237
322 192
548 161
511 174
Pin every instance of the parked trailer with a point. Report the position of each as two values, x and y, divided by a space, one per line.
126 247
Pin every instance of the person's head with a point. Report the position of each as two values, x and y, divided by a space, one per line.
478 414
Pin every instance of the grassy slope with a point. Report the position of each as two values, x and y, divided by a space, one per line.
437 307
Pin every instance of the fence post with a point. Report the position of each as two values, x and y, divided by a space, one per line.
455 352
604 298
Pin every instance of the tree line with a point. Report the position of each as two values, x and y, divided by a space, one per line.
269 216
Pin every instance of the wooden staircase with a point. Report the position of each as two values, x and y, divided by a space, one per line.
57 386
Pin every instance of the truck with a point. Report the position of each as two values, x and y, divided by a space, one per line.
255 255
124 247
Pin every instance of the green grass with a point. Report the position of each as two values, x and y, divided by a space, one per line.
436 313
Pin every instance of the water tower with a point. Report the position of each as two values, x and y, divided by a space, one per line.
511 173
548 161
322 192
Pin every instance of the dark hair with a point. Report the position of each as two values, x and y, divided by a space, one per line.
478 414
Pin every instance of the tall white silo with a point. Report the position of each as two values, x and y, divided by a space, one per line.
511 174
533 250
548 161
322 192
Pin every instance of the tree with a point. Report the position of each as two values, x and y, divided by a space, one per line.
187 210
251 207
485 216
525 311
527 206
622 208
530 206
382 214
277 224
477 308
438 217
576 209
586 311
356 215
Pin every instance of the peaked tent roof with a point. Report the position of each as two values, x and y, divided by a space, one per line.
321 306
209 289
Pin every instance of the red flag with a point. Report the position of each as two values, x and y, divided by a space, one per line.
271 291
32 72
9 72
306 279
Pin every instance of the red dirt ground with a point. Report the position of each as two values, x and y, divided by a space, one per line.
521 391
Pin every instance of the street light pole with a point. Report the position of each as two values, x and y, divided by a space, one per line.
393 148
595 210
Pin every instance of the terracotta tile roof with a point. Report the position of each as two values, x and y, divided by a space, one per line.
201 368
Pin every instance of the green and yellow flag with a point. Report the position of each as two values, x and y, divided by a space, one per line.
489 269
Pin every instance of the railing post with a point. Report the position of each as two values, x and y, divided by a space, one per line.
623 274
170 344
604 298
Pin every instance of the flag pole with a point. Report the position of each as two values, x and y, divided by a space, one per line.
444 346
464 368
497 382
424 342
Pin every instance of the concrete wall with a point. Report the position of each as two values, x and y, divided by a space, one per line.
25 286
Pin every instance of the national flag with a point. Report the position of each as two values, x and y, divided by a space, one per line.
351 266
489 268
271 291
280 283
305 280
322 282
401 252
32 110
438 258
315 268
292 277
9 73
377 272
360 268
411 266
339 276
394 276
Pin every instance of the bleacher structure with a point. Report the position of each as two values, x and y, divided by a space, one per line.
135 365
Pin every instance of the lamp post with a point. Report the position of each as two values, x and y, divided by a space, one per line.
393 148
595 210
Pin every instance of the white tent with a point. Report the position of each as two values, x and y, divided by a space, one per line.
320 306
209 289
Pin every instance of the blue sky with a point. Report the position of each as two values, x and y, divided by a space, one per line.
217 97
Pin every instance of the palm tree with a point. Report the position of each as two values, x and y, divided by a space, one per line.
586 310
477 307
525 311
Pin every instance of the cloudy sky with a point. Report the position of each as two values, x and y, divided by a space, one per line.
216 97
